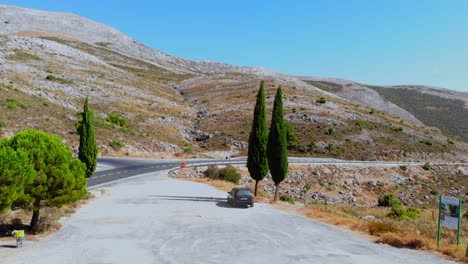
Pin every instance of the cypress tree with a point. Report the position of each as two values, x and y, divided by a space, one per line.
277 144
88 150
257 161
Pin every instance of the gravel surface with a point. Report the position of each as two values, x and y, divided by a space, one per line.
156 219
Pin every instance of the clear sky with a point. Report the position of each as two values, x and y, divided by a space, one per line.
370 41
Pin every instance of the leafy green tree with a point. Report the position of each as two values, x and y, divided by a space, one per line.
277 144
257 160
15 173
59 178
88 150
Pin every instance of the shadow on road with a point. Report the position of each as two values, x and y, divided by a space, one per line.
188 198
220 202
8 246
225 204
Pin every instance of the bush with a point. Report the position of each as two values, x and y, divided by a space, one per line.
388 200
117 120
427 166
312 145
116 144
230 173
426 141
321 100
434 192
58 79
286 198
188 150
330 130
359 123
400 212
404 167
211 172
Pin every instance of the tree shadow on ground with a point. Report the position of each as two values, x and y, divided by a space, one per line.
220 202
6 229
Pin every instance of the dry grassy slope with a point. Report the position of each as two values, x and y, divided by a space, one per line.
226 106
138 91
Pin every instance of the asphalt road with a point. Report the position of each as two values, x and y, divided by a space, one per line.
124 168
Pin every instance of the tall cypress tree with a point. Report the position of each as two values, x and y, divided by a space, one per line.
257 161
277 144
88 150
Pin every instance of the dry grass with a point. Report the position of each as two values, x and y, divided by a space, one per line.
49 218
416 234
218 184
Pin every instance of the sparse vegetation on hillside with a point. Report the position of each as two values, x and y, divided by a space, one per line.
436 111
58 79
21 55
117 120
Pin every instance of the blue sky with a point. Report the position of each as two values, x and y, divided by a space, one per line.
375 42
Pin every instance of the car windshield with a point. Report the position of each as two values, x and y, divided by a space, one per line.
244 193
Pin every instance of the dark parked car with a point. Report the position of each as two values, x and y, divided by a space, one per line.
240 196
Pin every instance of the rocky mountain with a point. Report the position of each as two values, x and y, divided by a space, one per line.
148 103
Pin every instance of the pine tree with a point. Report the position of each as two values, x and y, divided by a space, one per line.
88 150
277 144
59 179
257 161
15 173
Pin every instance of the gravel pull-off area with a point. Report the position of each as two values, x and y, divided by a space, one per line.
155 219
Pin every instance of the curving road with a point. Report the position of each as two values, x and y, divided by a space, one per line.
124 168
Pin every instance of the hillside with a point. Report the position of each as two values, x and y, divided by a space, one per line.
148 103
435 107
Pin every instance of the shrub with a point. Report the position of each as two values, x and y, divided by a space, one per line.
434 192
404 167
426 141
286 198
116 144
312 145
400 212
188 150
359 123
230 173
427 166
211 172
321 100
11 105
449 141
58 79
330 130
117 119
388 200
